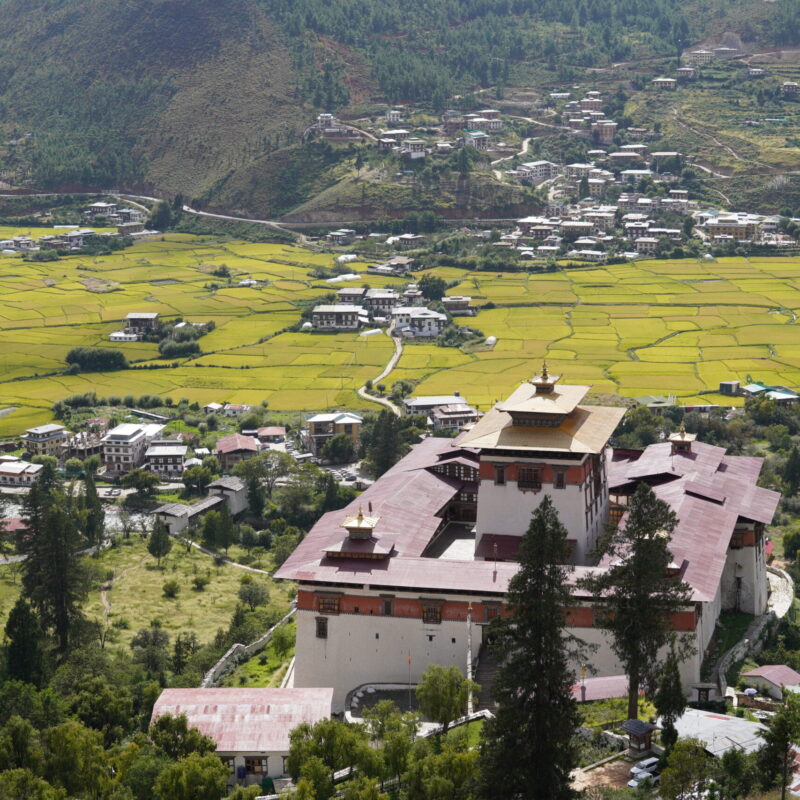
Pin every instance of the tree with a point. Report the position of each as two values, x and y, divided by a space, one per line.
54 579
22 784
149 648
95 516
432 287
75 760
791 471
160 216
282 641
777 756
639 578
226 531
670 701
24 645
197 477
195 777
686 772
385 447
103 707
254 594
186 645
142 481
339 449
159 544
442 694
528 748
264 470
20 747
172 734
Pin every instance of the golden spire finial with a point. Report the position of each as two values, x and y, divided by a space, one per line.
545 374
683 431
360 513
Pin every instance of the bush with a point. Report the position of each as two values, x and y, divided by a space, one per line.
96 359
199 582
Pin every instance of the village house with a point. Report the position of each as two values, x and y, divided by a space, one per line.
124 447
411 572
453 121
380 302
577 171
605 130
413 148
645 245
537 170
790 87
85 443
15 471
756 72
339 317
340 236
250 727
271 434
166 459
418 322
456 305
45 440
351 295
772 680
212 408
141 322
477 139
426 403
236 409
322 427
393 116
452 416
100 209
686 73
701 57
409 240
232 449
725 52
228 491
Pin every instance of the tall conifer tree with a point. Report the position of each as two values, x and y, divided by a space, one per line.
528 750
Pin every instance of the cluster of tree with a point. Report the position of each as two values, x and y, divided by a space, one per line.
385 439
96 359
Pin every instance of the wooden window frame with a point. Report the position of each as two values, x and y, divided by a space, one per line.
322 627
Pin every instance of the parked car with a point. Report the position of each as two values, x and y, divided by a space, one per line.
648 765
643 778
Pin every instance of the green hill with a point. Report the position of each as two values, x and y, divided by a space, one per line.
194 96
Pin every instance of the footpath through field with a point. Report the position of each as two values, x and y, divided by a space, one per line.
398 351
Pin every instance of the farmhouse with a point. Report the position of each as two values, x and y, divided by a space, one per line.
45 440
424 405
322 427
418 322
228 491
232 449
236 409
338 317
16 472
457 304
477 139
341 236
250 727
773 679
141 322
452 416
166 459
411 572
271 434
123 336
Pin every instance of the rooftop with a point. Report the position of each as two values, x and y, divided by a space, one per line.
719 733
256 721
234 442
779 674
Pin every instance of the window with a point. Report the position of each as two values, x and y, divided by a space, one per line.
737 540
284 765
322 627
490 612
559 479
328 604
529 478
256 766
432 614
500 476
387 606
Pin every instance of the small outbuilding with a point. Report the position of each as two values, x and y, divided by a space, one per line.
772 679
640 735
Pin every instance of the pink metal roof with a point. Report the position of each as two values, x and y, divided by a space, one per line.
251 721
779 674
234 442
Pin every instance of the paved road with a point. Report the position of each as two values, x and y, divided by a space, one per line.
362 392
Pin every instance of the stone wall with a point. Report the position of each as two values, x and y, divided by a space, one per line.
238 653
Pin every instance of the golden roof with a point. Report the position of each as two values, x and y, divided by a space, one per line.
560 400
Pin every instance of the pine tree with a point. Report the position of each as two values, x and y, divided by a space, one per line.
670 701
24 650
159 544
639 579
777 756
54 579
791 471
385 445
528 750
94 524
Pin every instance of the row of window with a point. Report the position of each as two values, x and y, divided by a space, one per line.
530 477
255 766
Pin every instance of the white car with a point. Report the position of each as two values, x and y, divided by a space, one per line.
648 765
643 777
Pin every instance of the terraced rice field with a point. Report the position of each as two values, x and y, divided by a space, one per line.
659 327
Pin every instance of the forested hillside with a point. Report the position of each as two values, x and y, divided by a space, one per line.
177 95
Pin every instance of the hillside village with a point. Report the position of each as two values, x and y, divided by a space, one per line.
272 523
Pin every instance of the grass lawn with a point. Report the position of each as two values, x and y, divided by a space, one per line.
604 712
136 597
264 669
473 729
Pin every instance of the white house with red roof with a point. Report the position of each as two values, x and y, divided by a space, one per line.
411 572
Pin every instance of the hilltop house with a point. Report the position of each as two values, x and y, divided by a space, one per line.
322 427
411 573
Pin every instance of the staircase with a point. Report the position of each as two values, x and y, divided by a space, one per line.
484 677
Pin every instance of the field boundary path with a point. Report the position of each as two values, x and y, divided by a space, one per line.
362 391
225 559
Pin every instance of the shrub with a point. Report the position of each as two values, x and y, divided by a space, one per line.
199 582
171 588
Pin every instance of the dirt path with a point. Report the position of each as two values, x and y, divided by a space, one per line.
225 560
362 392
522 151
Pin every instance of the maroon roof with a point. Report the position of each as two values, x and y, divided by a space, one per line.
601 688
236 442
507 546
272 430
779 674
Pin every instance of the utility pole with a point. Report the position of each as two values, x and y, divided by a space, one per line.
470 707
